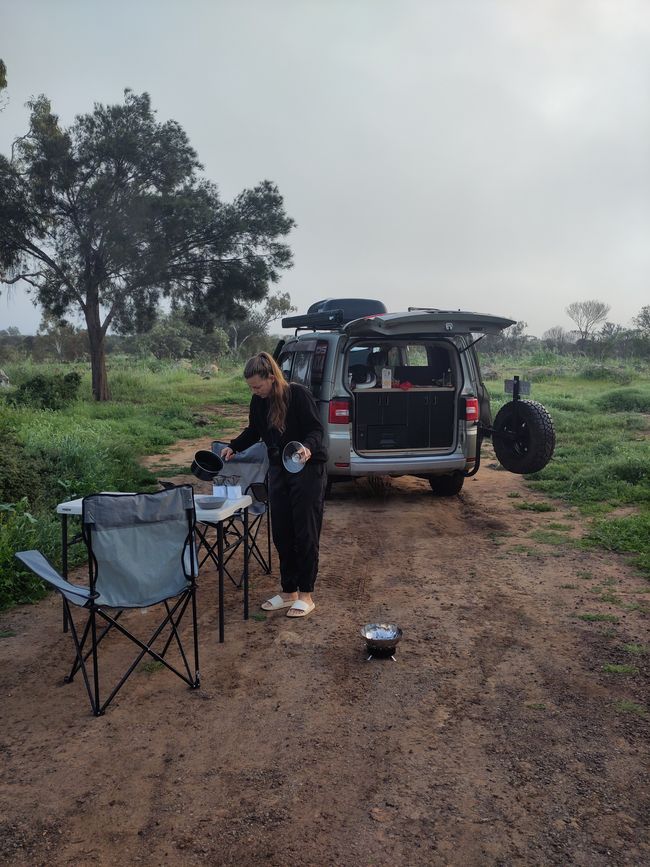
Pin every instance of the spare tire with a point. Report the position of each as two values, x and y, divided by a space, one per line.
523 437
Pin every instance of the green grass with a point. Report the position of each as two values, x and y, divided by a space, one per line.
630 535
627 706
636 649
549 537
601 414
7 633
612 668
150 667
598 618
585 575
534 507
51 456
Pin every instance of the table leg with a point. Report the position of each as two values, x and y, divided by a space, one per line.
64 561
246 564
221 571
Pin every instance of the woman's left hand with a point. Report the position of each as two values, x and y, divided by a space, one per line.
304 453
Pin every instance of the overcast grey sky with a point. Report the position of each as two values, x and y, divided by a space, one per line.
490 155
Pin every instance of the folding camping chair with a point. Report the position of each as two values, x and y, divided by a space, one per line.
250 468
141 553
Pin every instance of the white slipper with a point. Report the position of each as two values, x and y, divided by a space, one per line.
301 608
276 602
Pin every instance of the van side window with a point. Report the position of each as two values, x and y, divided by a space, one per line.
284 361
301 367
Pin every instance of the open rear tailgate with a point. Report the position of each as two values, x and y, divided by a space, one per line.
426 323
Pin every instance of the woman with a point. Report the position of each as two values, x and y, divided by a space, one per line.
279 413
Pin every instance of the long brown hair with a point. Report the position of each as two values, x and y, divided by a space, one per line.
264 365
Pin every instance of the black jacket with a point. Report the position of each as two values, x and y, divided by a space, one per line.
302 425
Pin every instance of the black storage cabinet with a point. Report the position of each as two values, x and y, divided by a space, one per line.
390 419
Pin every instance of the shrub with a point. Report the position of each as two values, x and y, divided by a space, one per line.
624 400
20 530
20 475
630 469
47 392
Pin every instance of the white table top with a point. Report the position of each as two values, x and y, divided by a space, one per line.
205 516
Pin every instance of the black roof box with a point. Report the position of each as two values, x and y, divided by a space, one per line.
331 313
353 308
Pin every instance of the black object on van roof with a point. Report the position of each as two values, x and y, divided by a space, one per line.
331 313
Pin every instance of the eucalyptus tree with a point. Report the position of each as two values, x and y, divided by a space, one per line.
642 321
105 218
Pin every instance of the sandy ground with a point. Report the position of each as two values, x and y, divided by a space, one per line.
495 738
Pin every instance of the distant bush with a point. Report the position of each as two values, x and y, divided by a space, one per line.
624 400
47 392
599 372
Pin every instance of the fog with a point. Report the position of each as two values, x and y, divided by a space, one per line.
485 155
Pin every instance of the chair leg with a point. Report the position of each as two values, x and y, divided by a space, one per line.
80 662
197 676
147 648
104 632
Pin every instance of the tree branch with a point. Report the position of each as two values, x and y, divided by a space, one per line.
18 277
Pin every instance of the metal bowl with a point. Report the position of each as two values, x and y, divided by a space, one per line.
381 636
210 502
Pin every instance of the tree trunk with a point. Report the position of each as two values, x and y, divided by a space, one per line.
96 337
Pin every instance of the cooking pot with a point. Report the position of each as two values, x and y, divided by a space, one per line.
206 465
381 638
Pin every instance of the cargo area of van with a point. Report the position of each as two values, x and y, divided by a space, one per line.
405 395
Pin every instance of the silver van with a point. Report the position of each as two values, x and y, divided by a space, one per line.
402 394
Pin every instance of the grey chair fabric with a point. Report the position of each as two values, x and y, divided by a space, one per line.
138 543
141 552
250 467
35 561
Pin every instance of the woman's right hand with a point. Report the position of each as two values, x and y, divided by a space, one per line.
227 453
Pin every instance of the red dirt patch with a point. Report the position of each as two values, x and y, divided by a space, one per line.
495 739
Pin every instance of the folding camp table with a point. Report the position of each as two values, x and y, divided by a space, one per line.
206 517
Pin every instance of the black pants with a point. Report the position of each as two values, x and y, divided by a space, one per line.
296 518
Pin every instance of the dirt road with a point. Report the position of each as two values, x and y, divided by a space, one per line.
496 738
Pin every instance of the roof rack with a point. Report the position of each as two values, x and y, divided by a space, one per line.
325 321
424 310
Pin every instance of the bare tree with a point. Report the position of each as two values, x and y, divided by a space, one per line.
587 315
556 338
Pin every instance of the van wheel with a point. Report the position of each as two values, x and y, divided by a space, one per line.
523 438
447 486
328 489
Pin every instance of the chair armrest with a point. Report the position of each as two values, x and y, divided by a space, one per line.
35 561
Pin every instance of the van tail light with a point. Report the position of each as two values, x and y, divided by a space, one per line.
471 409
339 412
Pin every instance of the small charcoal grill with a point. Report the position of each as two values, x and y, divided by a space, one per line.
381 640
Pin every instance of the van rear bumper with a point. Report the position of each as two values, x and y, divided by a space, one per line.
406 466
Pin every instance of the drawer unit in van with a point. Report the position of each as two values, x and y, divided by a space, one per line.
390 419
